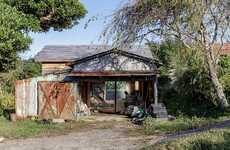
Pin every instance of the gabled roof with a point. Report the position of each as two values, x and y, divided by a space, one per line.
74 53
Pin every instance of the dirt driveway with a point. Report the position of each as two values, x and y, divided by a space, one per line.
119 134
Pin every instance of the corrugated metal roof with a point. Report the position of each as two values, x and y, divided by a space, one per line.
70 53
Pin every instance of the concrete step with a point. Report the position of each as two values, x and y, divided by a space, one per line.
160 110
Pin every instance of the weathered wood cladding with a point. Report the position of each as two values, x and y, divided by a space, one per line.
56 59
54 67
114 62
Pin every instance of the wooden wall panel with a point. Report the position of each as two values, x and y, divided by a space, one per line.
53 67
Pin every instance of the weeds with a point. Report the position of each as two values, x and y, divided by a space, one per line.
210 140
152 126
30 128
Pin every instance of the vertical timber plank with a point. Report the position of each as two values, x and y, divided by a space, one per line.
88 93
115 96
155 90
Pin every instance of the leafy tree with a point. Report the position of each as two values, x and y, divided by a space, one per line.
184 83
198 24
25 69
30 69
56 14
19 17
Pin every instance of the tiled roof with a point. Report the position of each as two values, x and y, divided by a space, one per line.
225 50
61 53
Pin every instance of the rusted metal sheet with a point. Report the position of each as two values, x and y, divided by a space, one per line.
57 100
23 95
26 94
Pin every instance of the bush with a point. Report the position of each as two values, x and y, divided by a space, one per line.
191 94
7 104
225 80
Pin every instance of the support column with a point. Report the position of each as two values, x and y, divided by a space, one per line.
115 95
88 93
137 85
155 90
128 87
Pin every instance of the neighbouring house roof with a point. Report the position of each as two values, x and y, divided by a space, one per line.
225 48
72 53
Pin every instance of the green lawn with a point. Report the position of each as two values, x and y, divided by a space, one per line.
218 139
153 126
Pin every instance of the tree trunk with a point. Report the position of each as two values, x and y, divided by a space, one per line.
214 78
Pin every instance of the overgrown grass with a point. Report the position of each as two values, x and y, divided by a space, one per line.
210 140
29 128
153 126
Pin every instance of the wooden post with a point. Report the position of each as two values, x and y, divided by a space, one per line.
155 90
115 96
88 93
83 92
128 87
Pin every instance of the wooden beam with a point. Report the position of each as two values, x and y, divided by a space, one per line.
114 73
155 91
115 96
88 93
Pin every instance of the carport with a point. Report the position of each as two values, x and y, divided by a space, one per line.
115 67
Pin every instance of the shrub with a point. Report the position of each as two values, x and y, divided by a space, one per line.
225 74
191 94
7 103
225 80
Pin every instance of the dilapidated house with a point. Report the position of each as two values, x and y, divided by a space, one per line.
79 79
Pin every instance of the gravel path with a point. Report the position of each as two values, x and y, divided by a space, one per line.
114 138
106 139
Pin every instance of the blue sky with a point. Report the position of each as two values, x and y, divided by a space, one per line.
77 35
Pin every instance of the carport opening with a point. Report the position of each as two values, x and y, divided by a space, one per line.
114 96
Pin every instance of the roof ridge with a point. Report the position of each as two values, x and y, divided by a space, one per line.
54 53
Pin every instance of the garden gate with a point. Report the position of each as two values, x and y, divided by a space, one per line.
57 100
